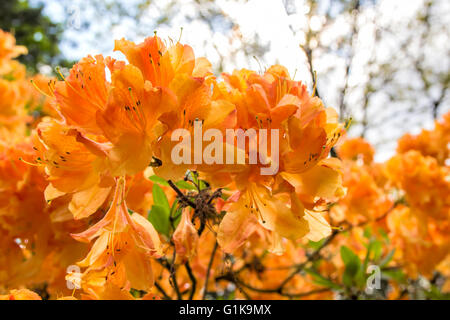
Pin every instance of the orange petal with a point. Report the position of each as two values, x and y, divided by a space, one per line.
83 93
237 226
86 202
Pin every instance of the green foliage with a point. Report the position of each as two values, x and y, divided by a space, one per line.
159 197
316 244
435 294
159 214
184 185
159 217
163 216
321 280
158 180
353 267
35 31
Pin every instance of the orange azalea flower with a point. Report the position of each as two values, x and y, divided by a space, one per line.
366 198
160 65
307 132
197 106
40 97
72 168
112 132
22 294
8 51
83 93
181 78
425 183
356 148
433 143
420 247
130 117
185 238
13 116
124 246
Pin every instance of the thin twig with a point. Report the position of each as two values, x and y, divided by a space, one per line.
211 259
172 279
193 280
181 194
160 289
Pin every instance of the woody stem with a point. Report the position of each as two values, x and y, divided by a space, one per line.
193 280
181 194
211 259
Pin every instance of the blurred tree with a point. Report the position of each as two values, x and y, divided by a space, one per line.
221 39
34 30
389 72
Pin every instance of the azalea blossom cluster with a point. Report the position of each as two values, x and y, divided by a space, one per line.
393 219
405 202
93 204
111 123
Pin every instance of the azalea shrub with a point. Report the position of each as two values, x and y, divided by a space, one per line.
93 204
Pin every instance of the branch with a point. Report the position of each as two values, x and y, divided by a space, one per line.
181 195
193 280
231 276
211 259
160 289
172 279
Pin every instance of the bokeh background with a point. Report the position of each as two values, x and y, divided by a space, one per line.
385 63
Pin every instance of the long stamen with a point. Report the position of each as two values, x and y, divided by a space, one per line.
348 123
279 90
184 118
39 89
258 212
75 90
131 116
259 64
137 108
51 86
37 164
181 33
152 62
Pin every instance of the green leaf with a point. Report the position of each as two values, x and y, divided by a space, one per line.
159 198
321 280
367 232
159 218
394 274
159 180
435 294
184 185
347 255
202 184
175 214
352 266
387 258
177 217
384 235
316 244
377 248
367 258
